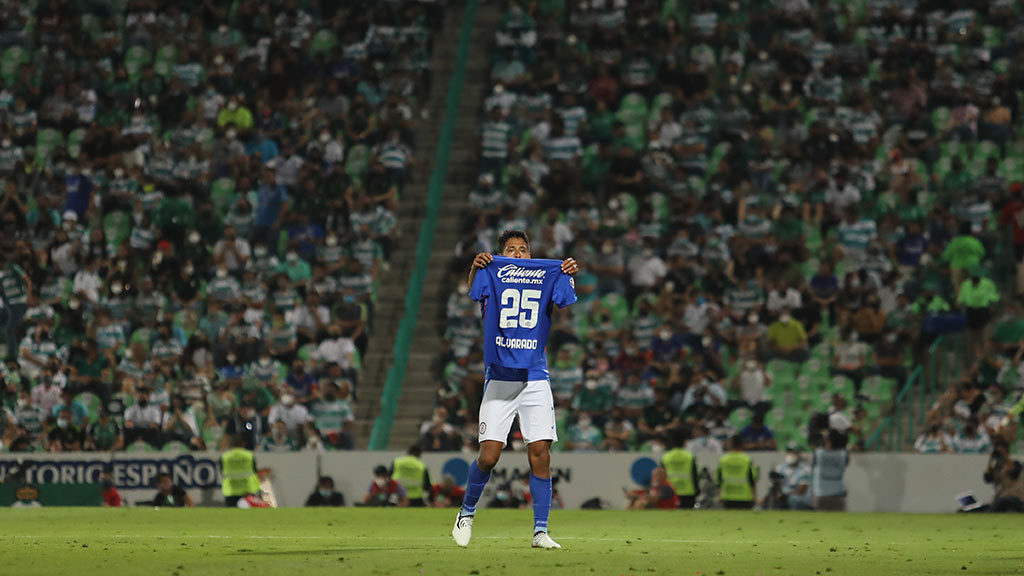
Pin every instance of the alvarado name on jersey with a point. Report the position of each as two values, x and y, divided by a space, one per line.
516 343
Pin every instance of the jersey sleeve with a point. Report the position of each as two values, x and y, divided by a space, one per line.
481 285
564 292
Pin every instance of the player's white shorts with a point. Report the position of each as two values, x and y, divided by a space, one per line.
531 401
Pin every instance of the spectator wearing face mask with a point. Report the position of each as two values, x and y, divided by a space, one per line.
179 423
889 356
703 441
325 495
231 251
583 436
703 393
618 431
749 334
46 394
850 358
336 349
300 383
142 420
646 270
795 481
29 416
278 440
752 381
291 414
333 416
437 434
786 339
384 491
79 413
64 436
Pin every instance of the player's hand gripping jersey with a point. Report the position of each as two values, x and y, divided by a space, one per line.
516 295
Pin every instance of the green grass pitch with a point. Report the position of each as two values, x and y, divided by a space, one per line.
413 542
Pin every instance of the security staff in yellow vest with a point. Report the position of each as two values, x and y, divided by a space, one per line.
411 473
681 466
736 477
238 469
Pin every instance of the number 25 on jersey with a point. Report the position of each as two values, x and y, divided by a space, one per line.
519 308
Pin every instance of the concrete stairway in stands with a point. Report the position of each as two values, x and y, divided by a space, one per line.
420 385
395 282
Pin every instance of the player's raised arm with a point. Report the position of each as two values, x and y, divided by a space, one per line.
569 266
479 263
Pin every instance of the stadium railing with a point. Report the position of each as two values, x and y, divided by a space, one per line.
380 436
909 412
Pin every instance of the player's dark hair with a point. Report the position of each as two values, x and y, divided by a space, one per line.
509 234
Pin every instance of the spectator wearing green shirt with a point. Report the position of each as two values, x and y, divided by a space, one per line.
333 415
1008 332
786 339
91 371
977 295
958 181
236 114
963 253
104 435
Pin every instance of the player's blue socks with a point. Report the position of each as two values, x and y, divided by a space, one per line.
477 481
540 491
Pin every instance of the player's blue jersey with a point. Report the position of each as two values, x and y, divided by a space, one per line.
516 295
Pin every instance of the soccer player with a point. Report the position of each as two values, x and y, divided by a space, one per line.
517 299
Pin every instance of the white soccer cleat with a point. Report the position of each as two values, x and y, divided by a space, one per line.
542 540
463 530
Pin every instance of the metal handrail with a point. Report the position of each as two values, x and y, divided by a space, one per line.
887 424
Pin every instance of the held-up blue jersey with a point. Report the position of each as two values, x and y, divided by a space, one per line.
516 295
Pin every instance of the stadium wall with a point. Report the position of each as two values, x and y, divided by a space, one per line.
876 482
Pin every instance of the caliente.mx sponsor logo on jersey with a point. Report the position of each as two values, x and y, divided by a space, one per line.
511 273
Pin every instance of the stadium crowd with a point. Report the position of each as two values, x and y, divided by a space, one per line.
197 199
778 207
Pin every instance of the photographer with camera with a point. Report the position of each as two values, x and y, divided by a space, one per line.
790 483
1004 473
